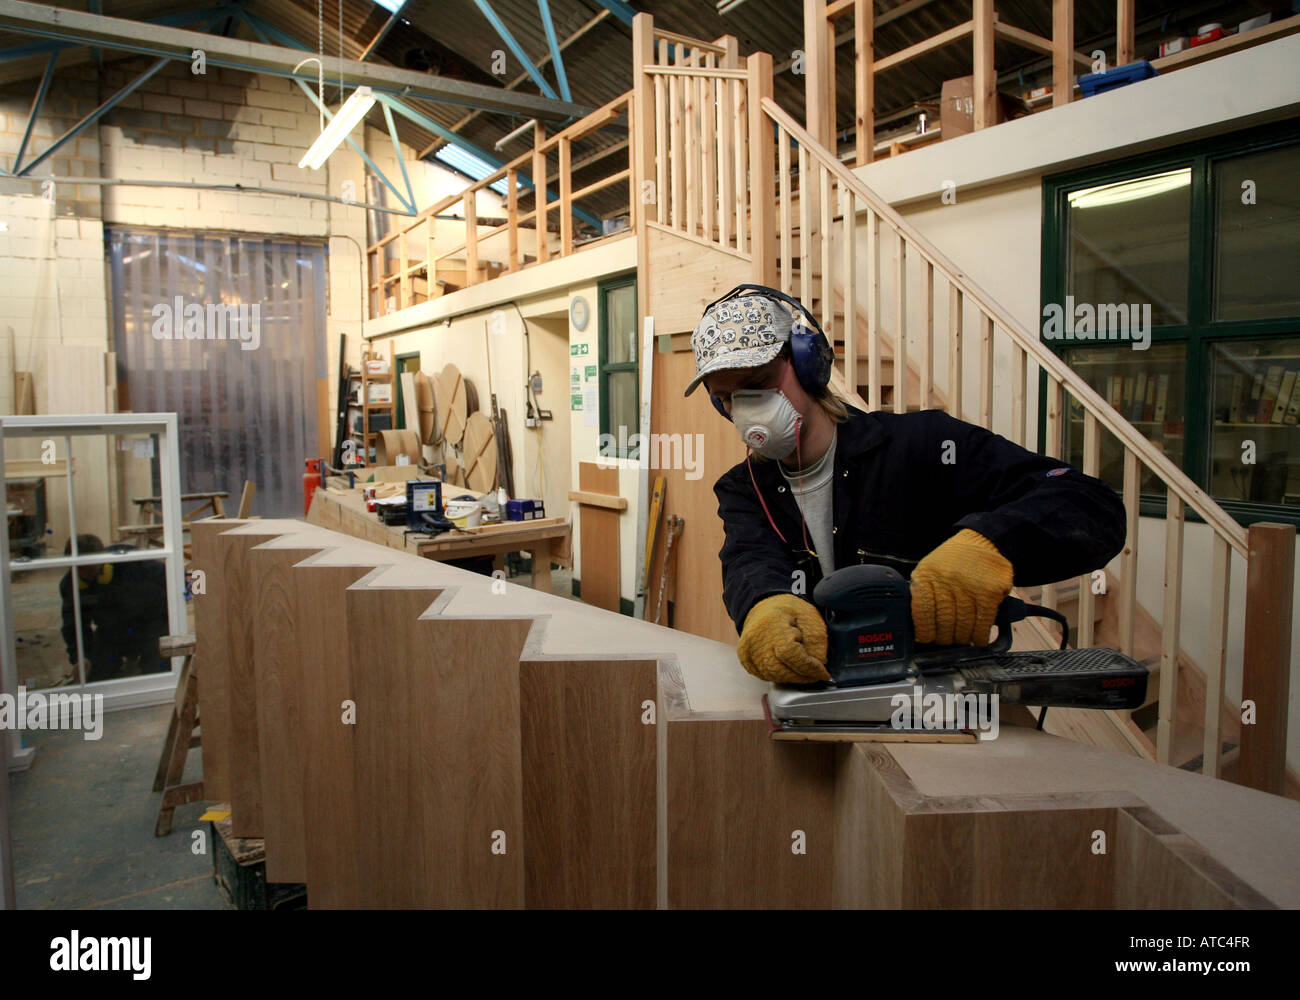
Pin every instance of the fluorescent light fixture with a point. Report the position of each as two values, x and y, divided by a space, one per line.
393 6
1141 187
354 109
727 6
471 165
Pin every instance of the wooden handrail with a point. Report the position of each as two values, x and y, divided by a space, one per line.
695 71
1173 477
687 42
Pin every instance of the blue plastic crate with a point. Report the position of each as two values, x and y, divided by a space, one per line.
1120 76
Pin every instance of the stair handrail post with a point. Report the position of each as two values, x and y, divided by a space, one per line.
1266 654
762 169
641 118
819 85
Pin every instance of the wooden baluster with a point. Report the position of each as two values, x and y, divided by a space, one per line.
805 228
661 152
874 388
828 30
784 206
762 165
956 372
676 153
1167 717
740 163
927 336
1017 394
723 168
1128 558
900 334
1091 463
1216 663
541 215
692 152
708 165
512 234
850 248
817 81
1056 402
404 276
828 277
566 199
864 86
471 238
986 370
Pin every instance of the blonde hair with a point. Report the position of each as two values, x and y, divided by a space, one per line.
833 403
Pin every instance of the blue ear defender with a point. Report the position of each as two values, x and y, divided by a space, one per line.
811 353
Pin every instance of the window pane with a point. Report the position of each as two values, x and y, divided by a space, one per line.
1255 434
1257 250
622 390
620 331
1146 387
1128 244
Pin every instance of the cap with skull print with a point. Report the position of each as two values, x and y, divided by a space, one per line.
742 332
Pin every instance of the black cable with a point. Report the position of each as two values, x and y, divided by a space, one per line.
1041 716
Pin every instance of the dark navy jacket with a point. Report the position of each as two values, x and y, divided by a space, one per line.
896 499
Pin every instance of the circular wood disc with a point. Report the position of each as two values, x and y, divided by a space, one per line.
394 443
453 470
471 397
452 409
480 453
430 432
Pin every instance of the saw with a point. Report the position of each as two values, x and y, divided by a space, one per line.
886 686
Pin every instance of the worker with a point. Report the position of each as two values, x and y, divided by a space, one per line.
960 511
123 614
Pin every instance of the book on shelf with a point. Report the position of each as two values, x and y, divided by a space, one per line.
1268 398
1284 394
1127 405
1238 397
1149 407
1162 397
1293 406
1115 390
1139 397
1251 408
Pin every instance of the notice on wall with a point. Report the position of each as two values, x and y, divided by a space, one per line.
590 406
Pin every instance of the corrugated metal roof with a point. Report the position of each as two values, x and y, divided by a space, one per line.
453 38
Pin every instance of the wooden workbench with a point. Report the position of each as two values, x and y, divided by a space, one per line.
545 539
510 748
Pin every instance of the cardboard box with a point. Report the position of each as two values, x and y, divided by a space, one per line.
957 107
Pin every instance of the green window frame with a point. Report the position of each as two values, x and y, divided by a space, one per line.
1201 334
609 368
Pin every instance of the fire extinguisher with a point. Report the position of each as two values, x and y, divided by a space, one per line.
311 479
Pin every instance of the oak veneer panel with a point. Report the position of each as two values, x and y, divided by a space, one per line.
599 532
734 799
872 798
211 661
437 761
278 686
329 801
238 581
589 784
1159 868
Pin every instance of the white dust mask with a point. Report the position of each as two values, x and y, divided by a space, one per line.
767 421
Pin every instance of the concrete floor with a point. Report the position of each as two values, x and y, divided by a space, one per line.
82 816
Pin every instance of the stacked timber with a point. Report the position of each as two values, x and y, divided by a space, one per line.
403 733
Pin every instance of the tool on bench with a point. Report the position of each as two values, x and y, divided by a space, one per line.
873 662
424 512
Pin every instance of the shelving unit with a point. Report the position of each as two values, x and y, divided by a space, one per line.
362 404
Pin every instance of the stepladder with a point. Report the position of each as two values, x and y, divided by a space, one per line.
181 735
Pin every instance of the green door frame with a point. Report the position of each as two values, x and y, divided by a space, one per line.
622 281
400 421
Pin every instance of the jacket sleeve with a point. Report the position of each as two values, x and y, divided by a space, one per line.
1049 520
755 562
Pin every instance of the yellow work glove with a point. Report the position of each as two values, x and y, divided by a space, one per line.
784 640
957 588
